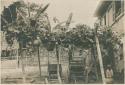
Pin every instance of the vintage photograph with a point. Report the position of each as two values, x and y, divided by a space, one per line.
62 42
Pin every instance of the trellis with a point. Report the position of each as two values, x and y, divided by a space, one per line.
84 37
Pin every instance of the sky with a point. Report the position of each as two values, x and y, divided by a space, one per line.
83 10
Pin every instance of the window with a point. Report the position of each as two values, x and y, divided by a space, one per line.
110 15
105 20
100 21
118 7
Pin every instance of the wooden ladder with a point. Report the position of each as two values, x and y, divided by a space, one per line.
76 69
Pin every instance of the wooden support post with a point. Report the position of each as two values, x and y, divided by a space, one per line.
97 76
75 81
46 81
17 56
87 76
26 60
58 63
47 62
23 65
124 54
94 53
58 73
39 63
100 59
124 46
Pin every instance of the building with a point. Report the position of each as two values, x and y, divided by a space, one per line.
112 13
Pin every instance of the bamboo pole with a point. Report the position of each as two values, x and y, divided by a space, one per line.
46 81
17 58
87 65
94 53
26 60
48 62
124 54
124 45
58 63
60 80
48 56
23 65
100 59
39 63
87 77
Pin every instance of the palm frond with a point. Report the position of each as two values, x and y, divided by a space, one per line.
41 10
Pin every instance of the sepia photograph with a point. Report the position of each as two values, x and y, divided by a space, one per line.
62 42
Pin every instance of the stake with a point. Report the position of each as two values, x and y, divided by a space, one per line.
17 58
58 63
124 56
39 63
94 53
23 66
124 48
100 59
46 81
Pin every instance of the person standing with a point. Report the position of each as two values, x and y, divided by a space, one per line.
109 75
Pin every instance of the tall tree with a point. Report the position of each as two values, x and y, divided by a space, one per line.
27 27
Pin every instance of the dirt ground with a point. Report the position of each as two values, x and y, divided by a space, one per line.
12 74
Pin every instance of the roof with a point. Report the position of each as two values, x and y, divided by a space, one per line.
102 7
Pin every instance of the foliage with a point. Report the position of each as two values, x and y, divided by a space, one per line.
27 29
81 36
110 42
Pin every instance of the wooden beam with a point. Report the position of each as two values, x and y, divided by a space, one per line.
100 60
94 57
23 65
58 64
46 81
39 63
17 56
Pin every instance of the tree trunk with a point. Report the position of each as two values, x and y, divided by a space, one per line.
100 59
39 63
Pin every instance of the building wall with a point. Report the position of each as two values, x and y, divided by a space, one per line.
116 23
107 18
119 25
110 15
